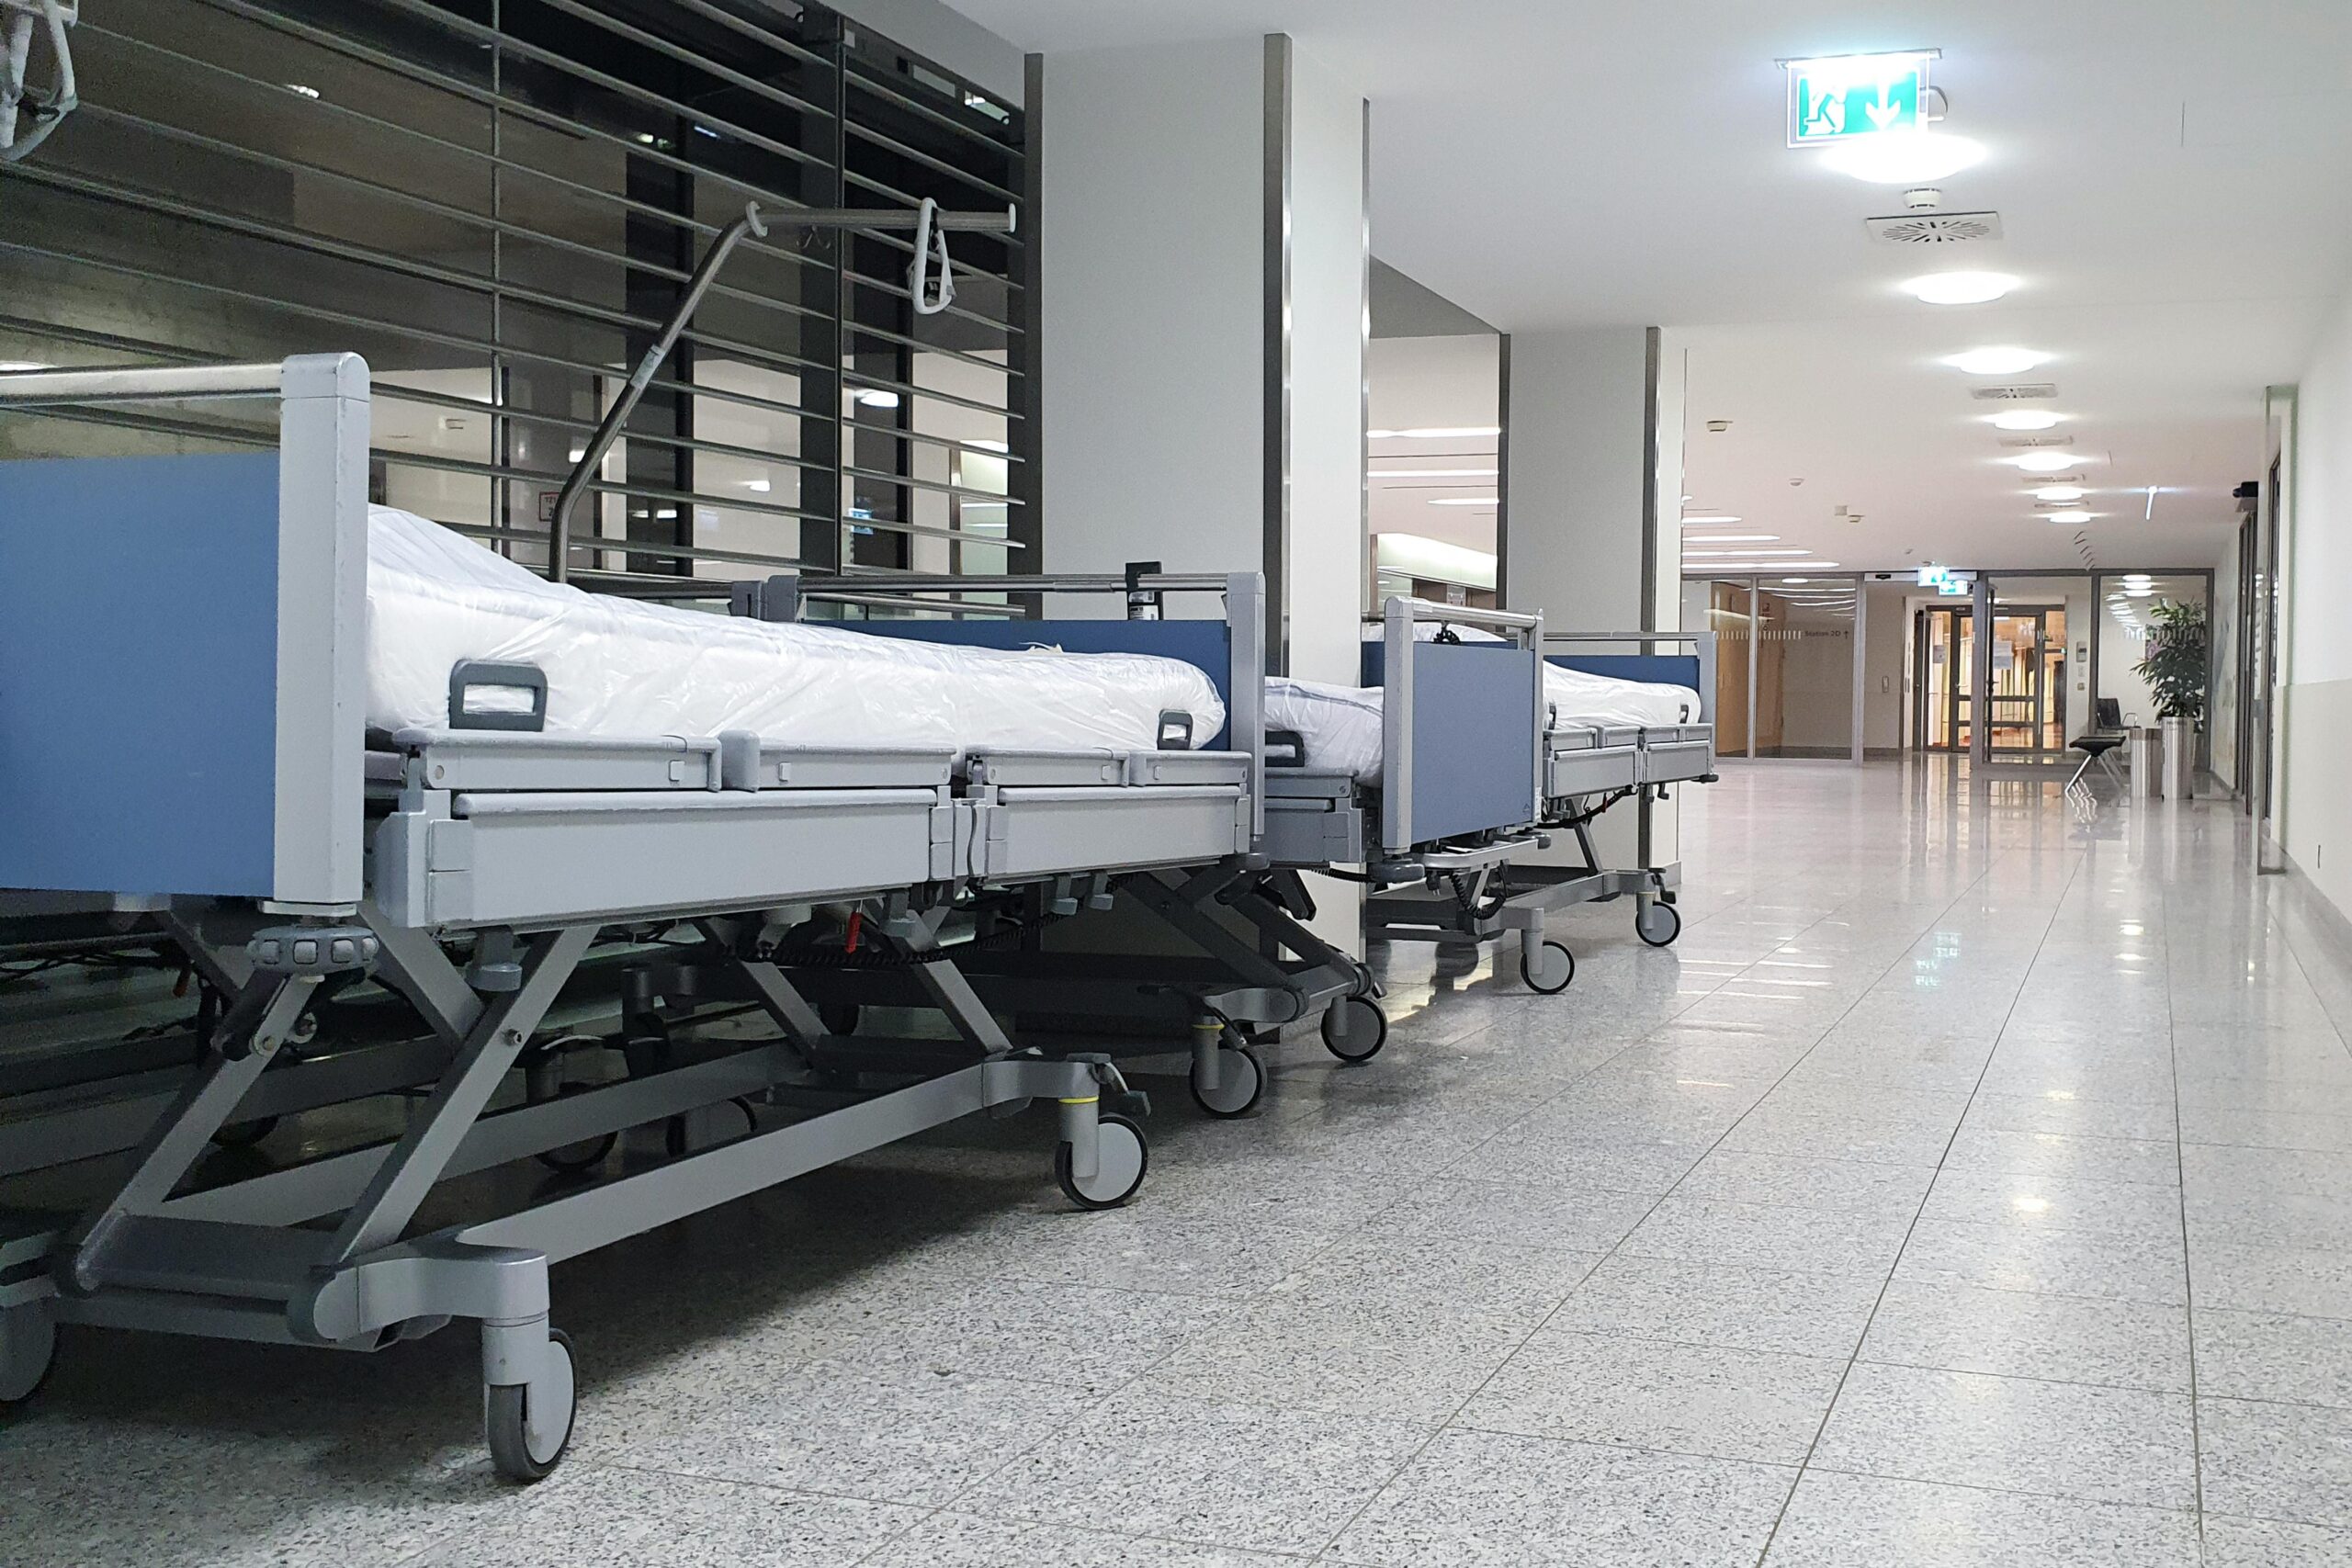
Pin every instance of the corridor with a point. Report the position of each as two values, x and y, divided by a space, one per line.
1971 1185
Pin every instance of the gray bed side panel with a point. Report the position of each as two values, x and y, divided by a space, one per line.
1474 740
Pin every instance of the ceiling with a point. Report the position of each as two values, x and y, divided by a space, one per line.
2170 181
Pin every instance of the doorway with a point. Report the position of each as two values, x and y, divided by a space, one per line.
2026 707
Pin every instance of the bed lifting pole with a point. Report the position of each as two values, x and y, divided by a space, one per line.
930 291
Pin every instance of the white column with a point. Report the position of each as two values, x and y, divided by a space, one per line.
1592 507
1203 316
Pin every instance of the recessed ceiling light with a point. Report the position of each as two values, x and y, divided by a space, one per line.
1691 539
876 397
2070 516
1960 288
2043 462
1903 157
2024 419
1433 473
1688 554
1465 500
2137 577
1996 361
1796 580
1695 520
2060 493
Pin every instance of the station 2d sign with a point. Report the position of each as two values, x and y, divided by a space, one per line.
1847 95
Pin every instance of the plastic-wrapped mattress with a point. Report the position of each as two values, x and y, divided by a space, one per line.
1341 724
618 667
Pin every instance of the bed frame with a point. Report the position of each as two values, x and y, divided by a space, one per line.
1451 858
1588 771
209 757
1223 958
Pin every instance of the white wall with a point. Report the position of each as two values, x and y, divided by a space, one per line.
2316 809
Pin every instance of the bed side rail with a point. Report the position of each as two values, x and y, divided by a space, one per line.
183 647
1462 723
1230 652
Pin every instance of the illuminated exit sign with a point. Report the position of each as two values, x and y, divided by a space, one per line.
1856 95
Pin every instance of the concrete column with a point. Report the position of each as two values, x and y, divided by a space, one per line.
1592 501
1206 277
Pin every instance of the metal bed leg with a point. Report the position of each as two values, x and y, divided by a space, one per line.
408 1173
263 1015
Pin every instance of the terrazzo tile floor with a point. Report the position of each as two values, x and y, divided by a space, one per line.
1971 1185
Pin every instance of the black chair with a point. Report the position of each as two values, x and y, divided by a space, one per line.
2107 716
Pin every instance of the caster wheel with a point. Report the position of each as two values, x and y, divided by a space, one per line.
28 1350
1241 1084
529 1425
1559 968
575 1159
1124 1158
1657 924
678 1140
244 1134
839 1018
1354 1029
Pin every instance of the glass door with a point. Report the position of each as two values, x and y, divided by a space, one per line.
2016 699
1946 649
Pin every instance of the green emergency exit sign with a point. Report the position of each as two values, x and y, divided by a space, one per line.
1847 95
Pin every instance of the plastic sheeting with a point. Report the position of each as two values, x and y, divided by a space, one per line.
1341 724
1343 730
616 667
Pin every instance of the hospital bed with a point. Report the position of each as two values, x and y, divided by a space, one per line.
1210 959
231 719
1420 775
1624 727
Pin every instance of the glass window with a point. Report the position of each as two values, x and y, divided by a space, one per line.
1804 656
2132 607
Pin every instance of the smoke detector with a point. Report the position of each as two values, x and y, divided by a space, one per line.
2016 392
1927 227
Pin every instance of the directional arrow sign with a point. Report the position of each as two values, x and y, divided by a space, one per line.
1856 95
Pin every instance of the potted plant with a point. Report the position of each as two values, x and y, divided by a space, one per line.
2175 664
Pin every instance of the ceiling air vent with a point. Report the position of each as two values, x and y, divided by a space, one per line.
2016 392
1935 228
2036 441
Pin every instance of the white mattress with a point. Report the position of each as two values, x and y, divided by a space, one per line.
616 667
1341 724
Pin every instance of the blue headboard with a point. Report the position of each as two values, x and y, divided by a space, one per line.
1660 669
183 652
138 674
